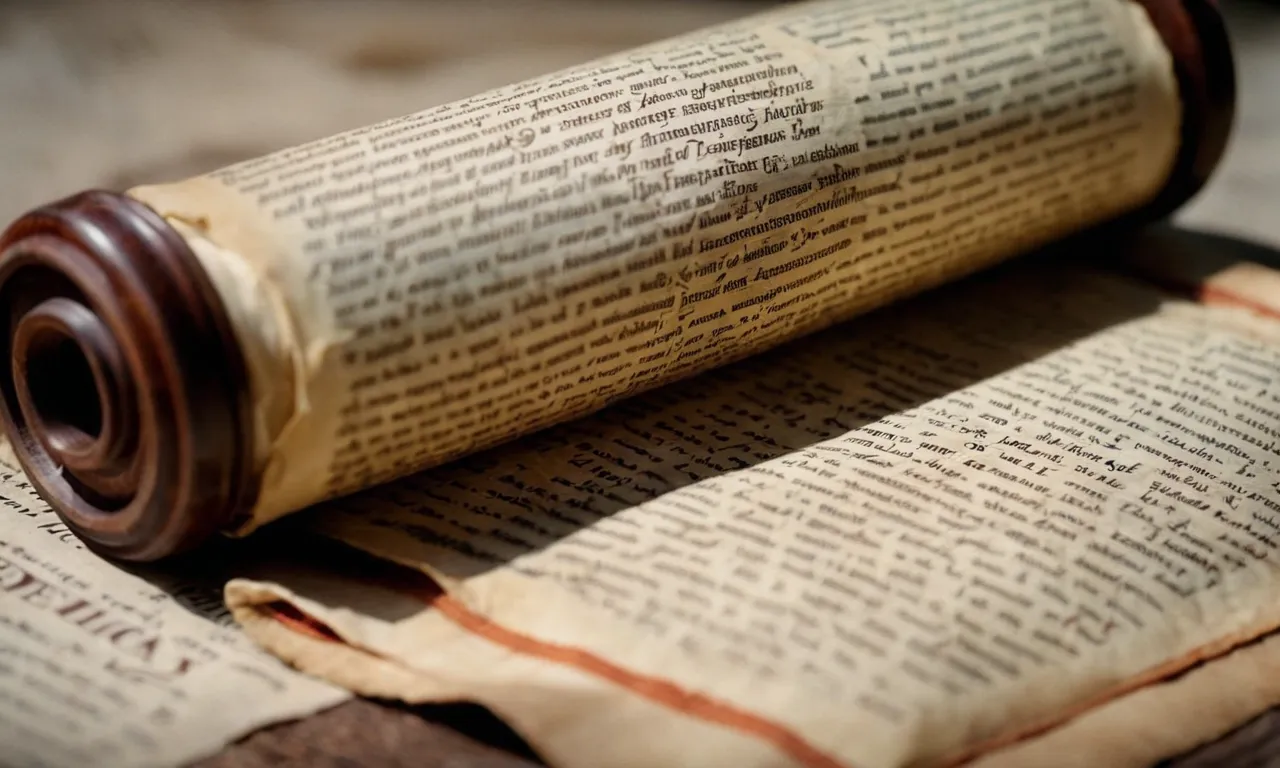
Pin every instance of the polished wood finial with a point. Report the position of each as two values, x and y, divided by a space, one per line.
1196 36
123 392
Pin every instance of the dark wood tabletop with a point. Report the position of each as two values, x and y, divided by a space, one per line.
366 733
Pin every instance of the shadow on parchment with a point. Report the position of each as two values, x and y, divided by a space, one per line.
762 408
486 510
807 391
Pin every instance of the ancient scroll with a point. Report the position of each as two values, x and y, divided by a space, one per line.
406 294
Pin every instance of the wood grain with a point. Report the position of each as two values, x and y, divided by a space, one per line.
122 389
368 734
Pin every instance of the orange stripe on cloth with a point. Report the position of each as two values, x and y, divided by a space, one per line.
1213 295
654 689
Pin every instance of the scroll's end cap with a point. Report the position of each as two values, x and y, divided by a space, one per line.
122 390
1196 36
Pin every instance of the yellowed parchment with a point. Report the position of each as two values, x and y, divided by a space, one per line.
1160 721
904 541
99 666
418 290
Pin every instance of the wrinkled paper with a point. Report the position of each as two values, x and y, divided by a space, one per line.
101 666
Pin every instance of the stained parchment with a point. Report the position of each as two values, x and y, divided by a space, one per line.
99 666
908 539
420 289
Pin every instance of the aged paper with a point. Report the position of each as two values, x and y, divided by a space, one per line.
101 667
903 541
1136 730
417 290
1160 721
571 716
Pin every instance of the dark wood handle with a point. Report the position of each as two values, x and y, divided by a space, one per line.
1196 36
125 394
123 390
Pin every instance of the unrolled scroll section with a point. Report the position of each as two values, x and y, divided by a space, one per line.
122 389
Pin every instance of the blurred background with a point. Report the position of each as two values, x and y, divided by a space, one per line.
116 92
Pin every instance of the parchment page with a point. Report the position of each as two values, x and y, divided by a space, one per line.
902 541
100 667
417 290
1163 720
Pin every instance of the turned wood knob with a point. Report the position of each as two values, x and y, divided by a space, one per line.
123 391
1196 36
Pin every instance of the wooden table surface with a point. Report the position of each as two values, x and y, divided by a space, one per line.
376 60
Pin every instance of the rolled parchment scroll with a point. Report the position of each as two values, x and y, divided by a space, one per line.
206 356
